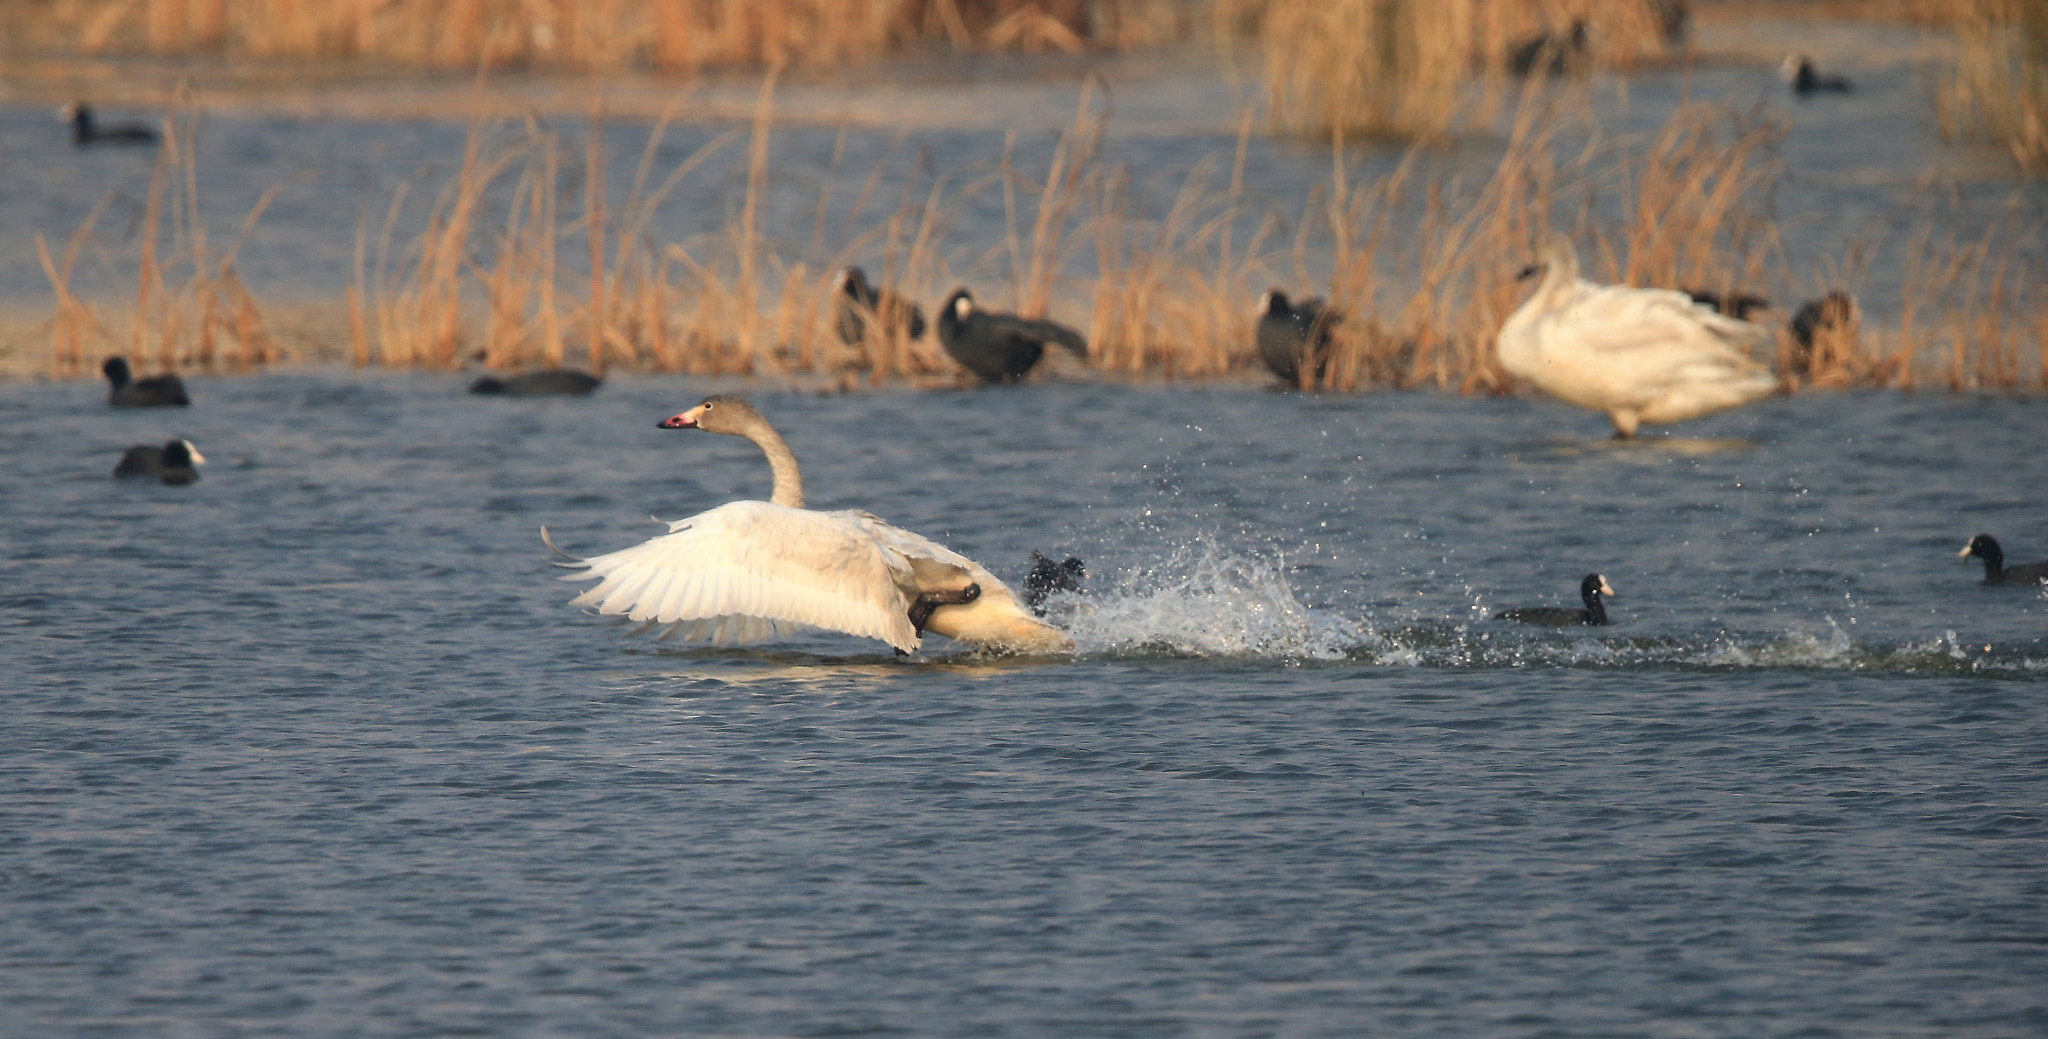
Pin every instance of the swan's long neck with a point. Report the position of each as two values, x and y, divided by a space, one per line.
789 482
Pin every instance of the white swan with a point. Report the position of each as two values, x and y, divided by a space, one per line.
751 570
1640 355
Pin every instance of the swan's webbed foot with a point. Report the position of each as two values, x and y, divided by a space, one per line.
921 610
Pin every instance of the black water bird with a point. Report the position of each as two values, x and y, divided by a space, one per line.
1550 53
859 306
999 347
1292 333
547 382
1798 70
1590 591
1047 577
1833 315
87 131
126 391
176 463
1734 303
1985 547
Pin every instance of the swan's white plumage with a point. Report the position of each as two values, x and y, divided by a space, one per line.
1639 355
753 570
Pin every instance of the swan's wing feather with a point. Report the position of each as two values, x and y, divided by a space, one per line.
743 571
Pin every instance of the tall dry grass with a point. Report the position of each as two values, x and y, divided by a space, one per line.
1998 87
1422 68
594 35
527 254
190 307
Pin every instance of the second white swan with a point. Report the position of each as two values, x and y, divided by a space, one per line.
751 570
1639 355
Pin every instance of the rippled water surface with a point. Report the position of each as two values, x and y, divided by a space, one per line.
316 746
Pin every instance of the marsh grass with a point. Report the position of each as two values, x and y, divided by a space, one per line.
1998 86
592 35
1421 69
525 256
190 306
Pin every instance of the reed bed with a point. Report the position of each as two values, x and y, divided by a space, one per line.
1429 67
591 35
1998 86
190 306
524 256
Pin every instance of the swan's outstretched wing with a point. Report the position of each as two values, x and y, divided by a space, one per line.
740 571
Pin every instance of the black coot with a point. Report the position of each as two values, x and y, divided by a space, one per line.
1590 590
999 347
126 391
176 462
1985 547
550 382
859 305
87 131
1047 577
1293 333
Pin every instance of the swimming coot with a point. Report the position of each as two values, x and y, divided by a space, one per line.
549 382
176 462
1590 590
87 131
1985 547
126 391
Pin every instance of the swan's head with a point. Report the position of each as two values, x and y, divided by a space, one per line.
719 413
1273 302
852 280
1556 261
1594 584
116 368
961 303
191 452
1793 66
1983 546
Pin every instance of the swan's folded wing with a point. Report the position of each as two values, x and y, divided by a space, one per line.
752 559
1619 320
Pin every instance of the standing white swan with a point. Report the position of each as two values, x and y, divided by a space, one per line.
751 570
1639 355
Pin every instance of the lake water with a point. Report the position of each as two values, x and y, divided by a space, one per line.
316 747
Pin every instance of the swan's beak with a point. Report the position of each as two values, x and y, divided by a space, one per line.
197 458
1607 589
1965 553
686 420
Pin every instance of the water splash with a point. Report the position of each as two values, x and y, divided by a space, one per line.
1205 601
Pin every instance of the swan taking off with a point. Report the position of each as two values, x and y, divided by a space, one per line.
751 570
1639 355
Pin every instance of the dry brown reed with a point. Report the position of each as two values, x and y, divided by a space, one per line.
1408 68
191 308
1421 268
1998 86
597 35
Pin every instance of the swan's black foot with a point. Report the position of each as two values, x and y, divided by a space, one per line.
921 610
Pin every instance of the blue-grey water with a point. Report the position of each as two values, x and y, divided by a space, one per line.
316 747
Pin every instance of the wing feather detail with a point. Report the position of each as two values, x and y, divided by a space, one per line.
751 570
